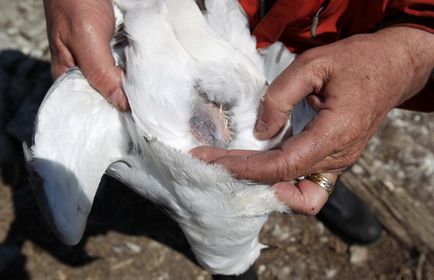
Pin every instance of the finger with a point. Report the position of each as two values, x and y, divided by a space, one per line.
210 154
305 153
289 88
306 197
315 102
256 166
57 69
98 66
294 158
319 143
61 58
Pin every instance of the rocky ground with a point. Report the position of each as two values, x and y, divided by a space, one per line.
130 238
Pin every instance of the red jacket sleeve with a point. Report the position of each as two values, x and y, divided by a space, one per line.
414 13
289 21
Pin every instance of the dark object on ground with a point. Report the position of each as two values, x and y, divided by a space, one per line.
10 260
250 274
23 83
349 217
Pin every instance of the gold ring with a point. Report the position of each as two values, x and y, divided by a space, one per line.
321 181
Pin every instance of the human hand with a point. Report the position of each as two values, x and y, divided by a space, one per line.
352 84
79 33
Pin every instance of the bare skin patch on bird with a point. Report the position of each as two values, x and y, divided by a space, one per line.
210 123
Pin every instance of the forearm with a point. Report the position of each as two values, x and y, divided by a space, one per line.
418 50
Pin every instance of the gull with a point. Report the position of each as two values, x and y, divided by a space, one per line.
192 78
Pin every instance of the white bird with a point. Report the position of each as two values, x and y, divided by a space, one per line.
191 79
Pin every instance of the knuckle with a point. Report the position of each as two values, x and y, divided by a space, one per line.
315 63
103 80
283 166
55 42
98 76
296 164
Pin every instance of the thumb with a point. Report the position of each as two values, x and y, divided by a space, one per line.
289 88
98 66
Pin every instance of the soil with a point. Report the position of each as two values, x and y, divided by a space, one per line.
128 237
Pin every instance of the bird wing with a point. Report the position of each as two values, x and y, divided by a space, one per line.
77 136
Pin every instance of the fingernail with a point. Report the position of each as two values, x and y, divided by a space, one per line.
260 127
195 151
199 153
119 100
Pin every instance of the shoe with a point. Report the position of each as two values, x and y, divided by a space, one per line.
349 217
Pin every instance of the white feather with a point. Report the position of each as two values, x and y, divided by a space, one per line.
73 148
173 57
228 19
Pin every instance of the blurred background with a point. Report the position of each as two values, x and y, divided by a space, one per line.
128 237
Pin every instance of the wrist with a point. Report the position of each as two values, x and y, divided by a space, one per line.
416 51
